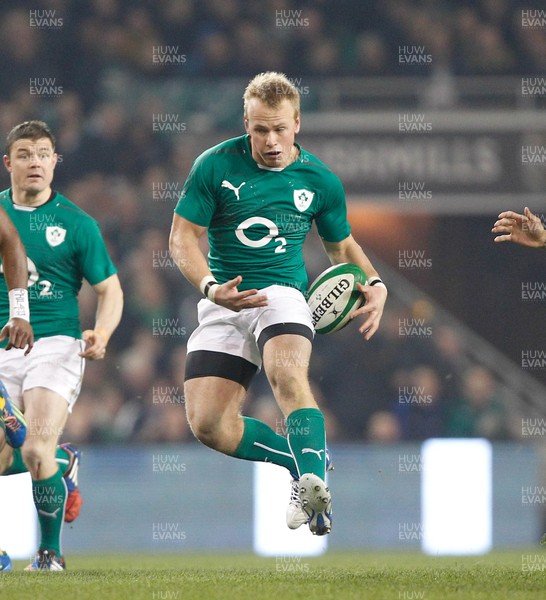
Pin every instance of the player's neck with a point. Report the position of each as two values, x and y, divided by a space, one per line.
294 154
24 198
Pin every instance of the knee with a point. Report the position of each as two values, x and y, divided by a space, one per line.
292 392
205 434
288 387
33 453
221 432
206 428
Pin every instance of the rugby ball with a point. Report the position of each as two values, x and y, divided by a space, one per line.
334 295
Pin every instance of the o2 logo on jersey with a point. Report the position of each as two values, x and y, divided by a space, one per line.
43 284
34 279
272 234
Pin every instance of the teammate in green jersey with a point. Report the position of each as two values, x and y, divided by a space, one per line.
64 246
257 196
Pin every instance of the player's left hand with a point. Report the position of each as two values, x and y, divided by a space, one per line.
95 344
19 333
375 295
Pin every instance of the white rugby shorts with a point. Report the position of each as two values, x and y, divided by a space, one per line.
53 363
238 333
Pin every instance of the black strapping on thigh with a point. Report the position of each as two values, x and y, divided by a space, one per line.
283 329
207 363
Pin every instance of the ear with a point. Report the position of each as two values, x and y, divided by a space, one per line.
245 120
7 163
298 124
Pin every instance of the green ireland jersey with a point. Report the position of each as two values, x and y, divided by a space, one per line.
258 218
64 246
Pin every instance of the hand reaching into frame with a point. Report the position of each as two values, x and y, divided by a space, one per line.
524 229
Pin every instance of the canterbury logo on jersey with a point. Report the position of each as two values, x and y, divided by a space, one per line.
230 186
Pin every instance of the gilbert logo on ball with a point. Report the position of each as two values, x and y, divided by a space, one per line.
334 295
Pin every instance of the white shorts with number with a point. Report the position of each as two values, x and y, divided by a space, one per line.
53 363
237 333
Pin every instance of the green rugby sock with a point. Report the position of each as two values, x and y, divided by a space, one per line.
18 466
260 443
50 498
306 437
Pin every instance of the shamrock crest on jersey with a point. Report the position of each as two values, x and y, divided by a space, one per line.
55 235
303 199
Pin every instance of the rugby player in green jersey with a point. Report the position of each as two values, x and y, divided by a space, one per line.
64 246
257 196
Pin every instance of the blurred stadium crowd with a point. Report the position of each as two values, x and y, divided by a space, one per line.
98 72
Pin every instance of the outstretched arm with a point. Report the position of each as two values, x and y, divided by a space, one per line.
348 250
525 229
185 250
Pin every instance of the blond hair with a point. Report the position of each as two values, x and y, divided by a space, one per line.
272 88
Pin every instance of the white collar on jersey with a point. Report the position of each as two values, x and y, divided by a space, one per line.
271 168
23 207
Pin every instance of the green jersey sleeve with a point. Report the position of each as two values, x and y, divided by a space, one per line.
94 261
331 220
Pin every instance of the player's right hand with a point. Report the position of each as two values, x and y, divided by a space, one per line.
19 333
229 296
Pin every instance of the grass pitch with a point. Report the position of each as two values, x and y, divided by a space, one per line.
343 576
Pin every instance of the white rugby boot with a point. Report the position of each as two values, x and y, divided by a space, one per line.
295 514
316 501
